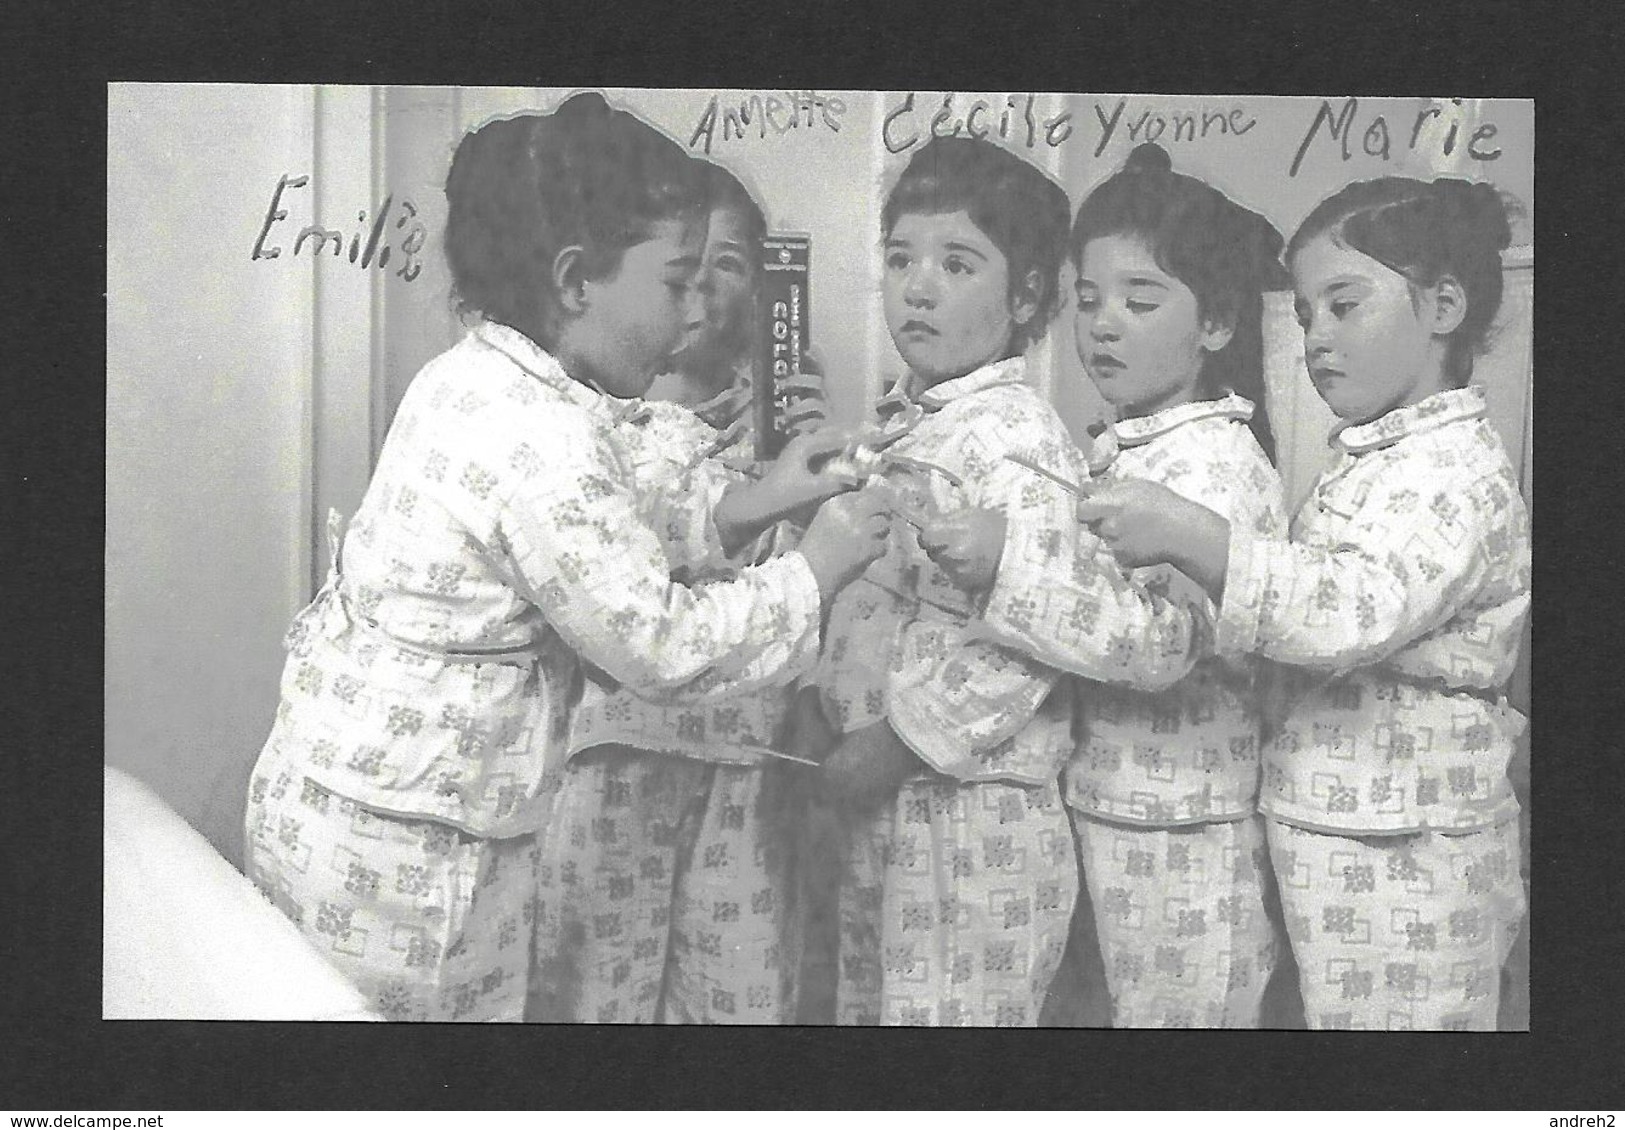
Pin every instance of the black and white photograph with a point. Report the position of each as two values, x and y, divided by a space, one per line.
814 557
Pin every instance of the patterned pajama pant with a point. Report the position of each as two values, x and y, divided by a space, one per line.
666 894
1180 916
429 922
1400 932
954 906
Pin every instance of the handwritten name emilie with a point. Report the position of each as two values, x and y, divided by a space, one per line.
368 248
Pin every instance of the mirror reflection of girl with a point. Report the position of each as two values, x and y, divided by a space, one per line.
959 875
502 544
1399 601
712 372
1164 780
673 820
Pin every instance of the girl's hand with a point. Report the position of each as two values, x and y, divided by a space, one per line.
1145 523
805 474
967 546
808 410
867 767
845 535
806 471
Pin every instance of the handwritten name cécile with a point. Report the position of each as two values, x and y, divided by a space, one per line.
1021 122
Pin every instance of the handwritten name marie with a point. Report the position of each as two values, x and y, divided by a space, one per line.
1376 141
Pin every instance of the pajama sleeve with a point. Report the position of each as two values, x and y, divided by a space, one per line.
680 479
1414 555
860 642
1087 617
684 514
1144 628
602 578
677 486
681 514
978 693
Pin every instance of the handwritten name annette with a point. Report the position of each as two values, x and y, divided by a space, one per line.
375 251
760 113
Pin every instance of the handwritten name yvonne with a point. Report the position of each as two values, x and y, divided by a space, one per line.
1021 121
374 251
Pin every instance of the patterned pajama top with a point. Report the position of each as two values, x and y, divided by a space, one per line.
1400 599
1166 734
503 541
679 455
905 643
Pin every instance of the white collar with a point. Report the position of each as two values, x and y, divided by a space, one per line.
1448 407
1011 370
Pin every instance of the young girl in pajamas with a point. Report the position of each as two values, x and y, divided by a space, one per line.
501 548
959 877
1164 780
667 890
1398 602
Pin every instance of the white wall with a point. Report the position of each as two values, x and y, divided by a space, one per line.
242 394
207 376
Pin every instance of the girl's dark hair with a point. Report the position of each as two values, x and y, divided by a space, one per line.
1020 209
523 188
1426 230
724 190
1226 254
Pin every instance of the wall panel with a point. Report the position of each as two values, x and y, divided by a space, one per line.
208 434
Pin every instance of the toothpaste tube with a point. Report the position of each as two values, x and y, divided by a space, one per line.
787 309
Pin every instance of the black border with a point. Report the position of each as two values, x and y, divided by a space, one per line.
60 1059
